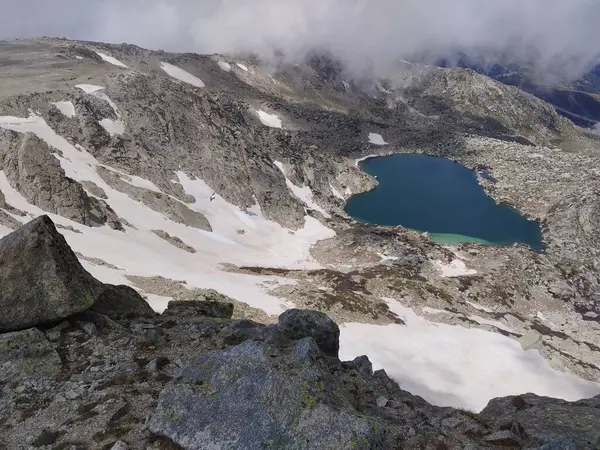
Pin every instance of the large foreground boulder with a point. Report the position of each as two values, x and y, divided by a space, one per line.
41 279
122 302
254 397
300 323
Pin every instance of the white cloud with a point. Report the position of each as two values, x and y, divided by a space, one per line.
363 32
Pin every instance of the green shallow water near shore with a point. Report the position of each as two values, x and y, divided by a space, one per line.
441 197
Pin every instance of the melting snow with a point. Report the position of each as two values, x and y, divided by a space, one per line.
364 158
448 365
480 307
65 107
456 268
224 66
114 127
376 139
241 66
141 252
456 366
110 59
181 75
336 193
269 120
98 92
494 323
302 193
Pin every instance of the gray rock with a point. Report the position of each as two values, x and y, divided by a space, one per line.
42 280
531 340
505 438
164 204
119 302
200 308
25 354
363 365
94 189
32 170
238 398
299 323
382 402
2 200
174 240
120 445
544 421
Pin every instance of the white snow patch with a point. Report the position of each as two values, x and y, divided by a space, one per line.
433 311
114 127
270 120
480 307
303 193
336 193
456 268
157 302
376 139
456 366
89 88
110 59
224 66
181 75
98 92
65 107
143 183
141 252
494 323
385 258
348 191
78 57
241 66
364 158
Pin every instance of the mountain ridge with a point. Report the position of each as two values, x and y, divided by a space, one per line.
263 206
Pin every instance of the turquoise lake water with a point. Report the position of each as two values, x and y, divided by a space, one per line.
439 196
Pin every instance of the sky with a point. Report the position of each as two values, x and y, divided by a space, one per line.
555 35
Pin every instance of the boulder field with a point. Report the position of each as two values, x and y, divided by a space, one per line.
85 365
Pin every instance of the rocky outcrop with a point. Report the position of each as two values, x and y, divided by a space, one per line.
169 206
174 240
296 324
42 280
120 376
219 310
32 170
27 354
117 302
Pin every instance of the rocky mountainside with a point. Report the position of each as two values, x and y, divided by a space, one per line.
577 99
187 177
98 369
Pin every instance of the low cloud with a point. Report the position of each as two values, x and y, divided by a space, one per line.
557 36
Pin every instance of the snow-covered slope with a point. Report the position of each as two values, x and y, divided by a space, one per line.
162 153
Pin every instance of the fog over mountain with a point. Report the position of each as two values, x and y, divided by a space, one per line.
553 35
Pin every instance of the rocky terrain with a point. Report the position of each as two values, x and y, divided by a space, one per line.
210 177
85 365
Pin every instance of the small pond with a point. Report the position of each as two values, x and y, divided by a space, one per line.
441 197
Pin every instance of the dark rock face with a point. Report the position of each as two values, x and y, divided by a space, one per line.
32 169
118 302
238 398
41 278
297 324
202 308
542 421
27 353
